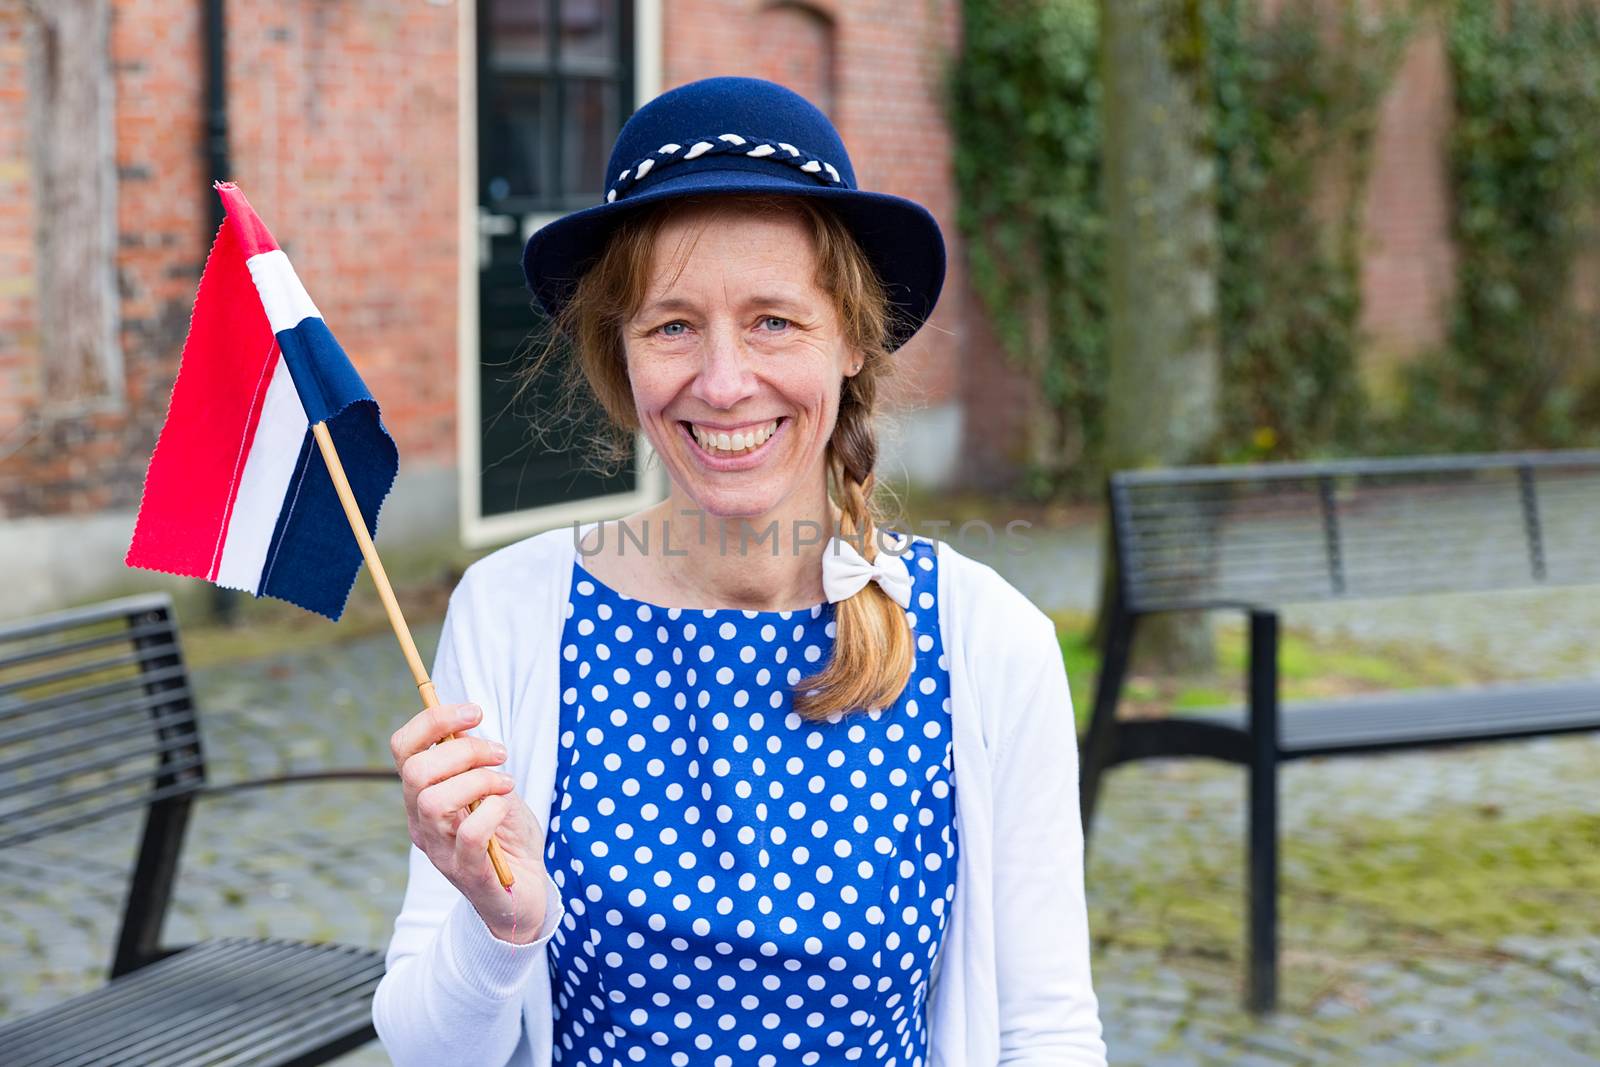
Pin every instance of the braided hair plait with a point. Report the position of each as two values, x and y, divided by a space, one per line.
873 648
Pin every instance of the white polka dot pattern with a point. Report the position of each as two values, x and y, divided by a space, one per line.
743 886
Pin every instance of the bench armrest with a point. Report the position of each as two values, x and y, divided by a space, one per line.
380 774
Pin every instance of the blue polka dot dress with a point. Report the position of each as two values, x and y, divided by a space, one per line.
744 886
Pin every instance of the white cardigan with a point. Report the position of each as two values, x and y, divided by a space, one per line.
1011 983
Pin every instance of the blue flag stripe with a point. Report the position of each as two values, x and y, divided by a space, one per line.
314 557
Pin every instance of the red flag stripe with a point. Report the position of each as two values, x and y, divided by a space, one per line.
253 235
211 419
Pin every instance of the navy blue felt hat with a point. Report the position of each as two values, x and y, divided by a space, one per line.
743 135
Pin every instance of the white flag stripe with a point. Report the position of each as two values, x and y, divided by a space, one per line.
264 485
286 300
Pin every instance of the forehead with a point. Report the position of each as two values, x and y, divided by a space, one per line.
713 247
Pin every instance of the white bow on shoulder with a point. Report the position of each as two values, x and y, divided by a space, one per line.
845 571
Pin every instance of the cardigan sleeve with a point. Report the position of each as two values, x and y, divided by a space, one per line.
452 991
1049 1014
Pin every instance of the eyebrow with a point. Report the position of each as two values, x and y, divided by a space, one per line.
678 303
776 300
670 303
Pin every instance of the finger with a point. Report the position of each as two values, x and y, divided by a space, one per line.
427 727
438 802
472 836
430 726
448 759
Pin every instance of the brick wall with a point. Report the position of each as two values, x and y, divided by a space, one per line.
18 261
1408 271
885 64
343 136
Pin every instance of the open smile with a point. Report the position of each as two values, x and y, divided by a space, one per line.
733 451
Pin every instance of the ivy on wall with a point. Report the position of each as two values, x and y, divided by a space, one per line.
1025 114
1294 100
1297 98
1522 365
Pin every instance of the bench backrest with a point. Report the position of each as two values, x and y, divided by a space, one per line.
96 717
1261 535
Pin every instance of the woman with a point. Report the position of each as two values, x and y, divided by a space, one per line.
775 785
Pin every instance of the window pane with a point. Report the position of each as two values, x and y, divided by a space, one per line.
519 468
589 36
591 126
515 139
515 34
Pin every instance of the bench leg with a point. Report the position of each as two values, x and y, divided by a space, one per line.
1100 745
1262 992
1263 957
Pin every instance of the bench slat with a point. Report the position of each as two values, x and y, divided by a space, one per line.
170 973
111 637
144 728
145 702
142 606
1429 717
175 674
186 1019
306 1032
134 659
139 779
228 1000
186 784
119 1019
287 1019
1266 535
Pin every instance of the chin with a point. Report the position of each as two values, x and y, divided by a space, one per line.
723 504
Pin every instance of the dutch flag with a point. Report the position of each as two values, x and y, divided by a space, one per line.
237 491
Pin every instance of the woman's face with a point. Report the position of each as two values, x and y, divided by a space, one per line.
736 357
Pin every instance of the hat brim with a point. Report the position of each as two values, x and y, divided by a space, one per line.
899 236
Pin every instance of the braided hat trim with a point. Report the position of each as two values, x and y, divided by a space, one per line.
726 144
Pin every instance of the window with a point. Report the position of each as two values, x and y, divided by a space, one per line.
556 79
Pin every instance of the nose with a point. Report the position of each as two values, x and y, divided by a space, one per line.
725 376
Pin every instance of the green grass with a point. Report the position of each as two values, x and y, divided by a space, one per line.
1449 885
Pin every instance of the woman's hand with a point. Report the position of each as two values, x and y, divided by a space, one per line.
440 780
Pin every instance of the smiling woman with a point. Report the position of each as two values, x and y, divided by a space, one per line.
747 336
744 709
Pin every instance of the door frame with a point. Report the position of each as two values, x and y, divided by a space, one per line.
477 530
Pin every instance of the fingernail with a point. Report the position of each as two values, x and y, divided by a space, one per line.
469 714
499 750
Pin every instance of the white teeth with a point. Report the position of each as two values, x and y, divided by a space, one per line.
716 440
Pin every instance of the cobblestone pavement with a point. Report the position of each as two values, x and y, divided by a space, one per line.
1170 827
327 861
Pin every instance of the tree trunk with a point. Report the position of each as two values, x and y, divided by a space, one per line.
1162 260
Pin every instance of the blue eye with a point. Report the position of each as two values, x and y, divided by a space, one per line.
671 329
770 319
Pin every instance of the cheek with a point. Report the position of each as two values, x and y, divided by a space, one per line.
811 383
653 386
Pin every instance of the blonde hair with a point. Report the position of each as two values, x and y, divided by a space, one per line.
873 651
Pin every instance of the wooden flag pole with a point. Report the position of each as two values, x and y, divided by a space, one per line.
369 551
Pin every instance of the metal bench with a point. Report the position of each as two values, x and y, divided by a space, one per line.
1255 538
96 719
